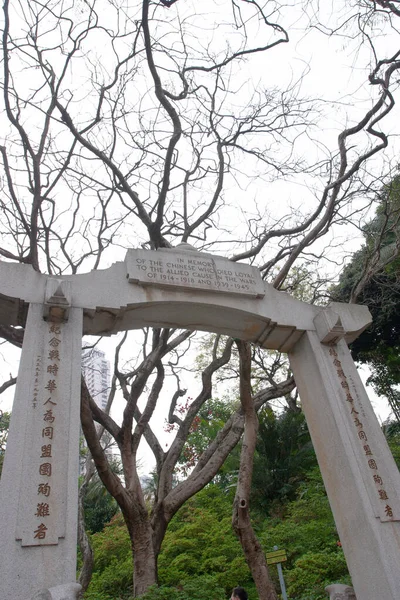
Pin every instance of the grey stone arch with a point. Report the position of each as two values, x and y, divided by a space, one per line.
360 476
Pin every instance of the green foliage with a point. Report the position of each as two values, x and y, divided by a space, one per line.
98 504
200 543
308 533
307 523
112 575
201 555
200 552
313 572
284 452
381 341
99 508
164 592
392 433
195 588
283 455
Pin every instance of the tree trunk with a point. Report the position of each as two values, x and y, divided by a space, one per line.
86 550
252 549
144 556
84 543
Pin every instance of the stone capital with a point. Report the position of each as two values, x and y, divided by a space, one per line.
57 300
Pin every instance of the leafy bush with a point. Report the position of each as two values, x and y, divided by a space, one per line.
195 588
113 571
308 524
201 557
313 572
200 543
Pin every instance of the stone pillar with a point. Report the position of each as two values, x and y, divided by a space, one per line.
360 475
39 483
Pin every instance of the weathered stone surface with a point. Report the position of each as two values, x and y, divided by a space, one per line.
42 595
339 591
189 270
68 591
111 304
360 475
39 483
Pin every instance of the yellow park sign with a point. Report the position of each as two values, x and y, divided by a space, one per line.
275 557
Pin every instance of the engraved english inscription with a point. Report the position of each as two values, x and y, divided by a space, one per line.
169 268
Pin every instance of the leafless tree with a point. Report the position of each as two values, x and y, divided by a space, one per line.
142 124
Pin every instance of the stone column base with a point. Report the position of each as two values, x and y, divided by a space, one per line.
67 591
339 591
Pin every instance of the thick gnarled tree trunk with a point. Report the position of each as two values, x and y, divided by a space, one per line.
144 556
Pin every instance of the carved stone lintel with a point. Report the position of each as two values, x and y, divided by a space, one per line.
339 591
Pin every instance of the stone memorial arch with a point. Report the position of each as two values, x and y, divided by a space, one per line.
188 289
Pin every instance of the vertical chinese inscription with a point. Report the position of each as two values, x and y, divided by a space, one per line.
44 507
40 520
358 422
38 368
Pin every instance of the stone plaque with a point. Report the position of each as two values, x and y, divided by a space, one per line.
185 269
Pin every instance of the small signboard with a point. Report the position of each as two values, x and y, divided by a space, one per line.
278 556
